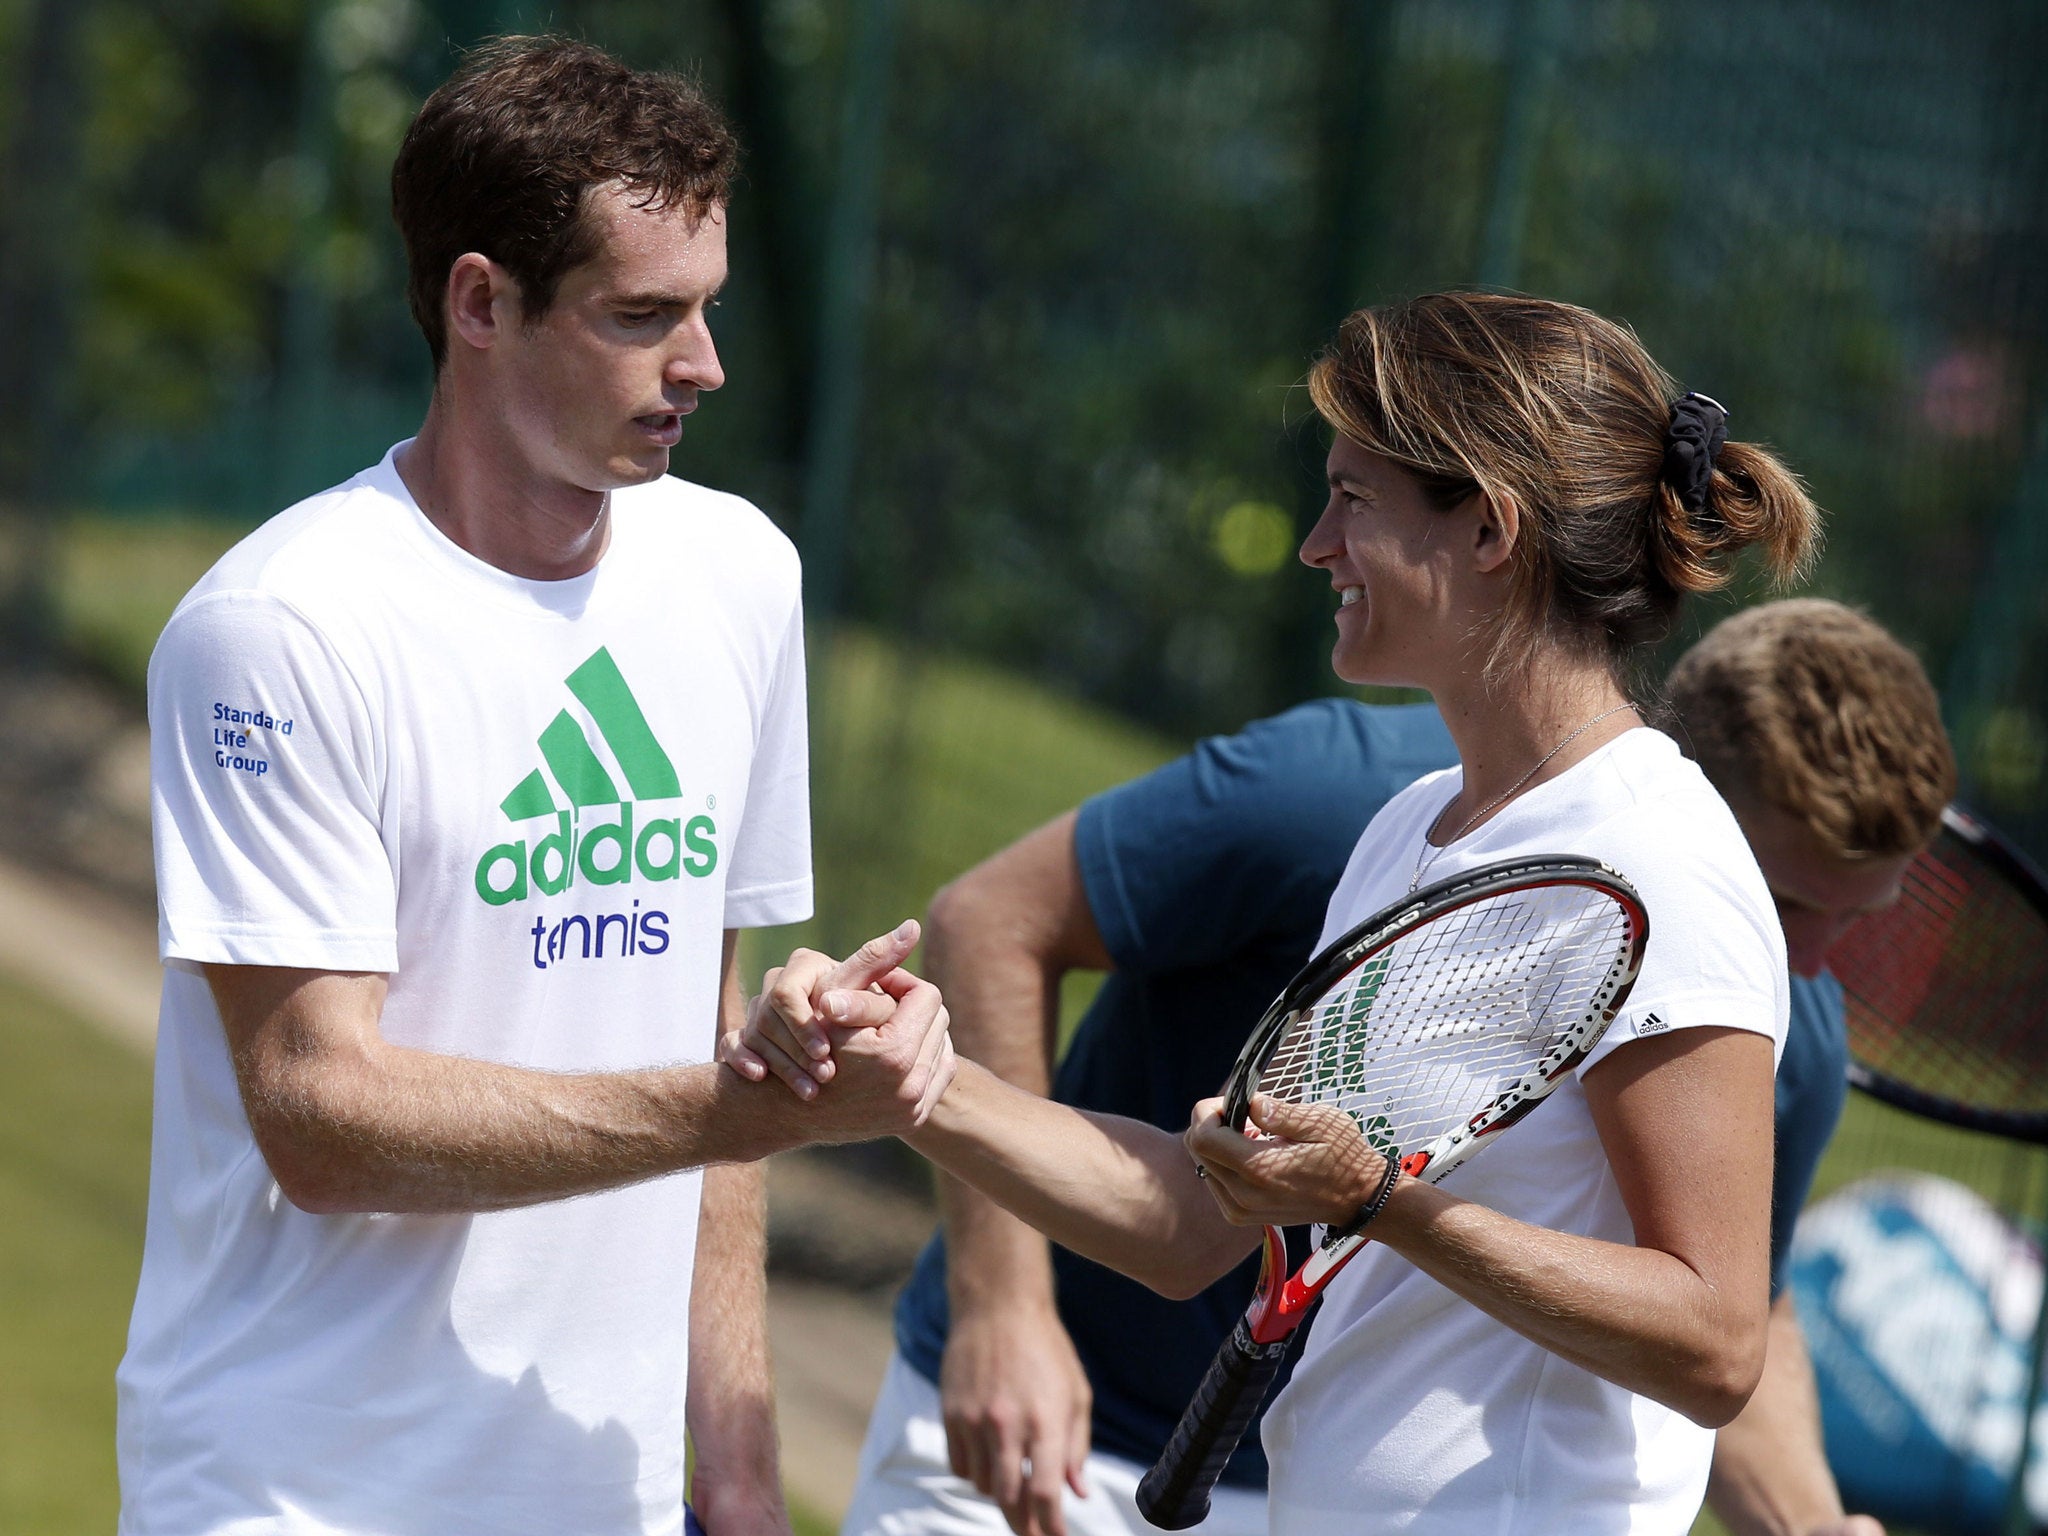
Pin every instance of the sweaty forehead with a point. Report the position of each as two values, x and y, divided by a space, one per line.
652 250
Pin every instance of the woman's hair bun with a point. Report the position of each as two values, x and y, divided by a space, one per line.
1749 498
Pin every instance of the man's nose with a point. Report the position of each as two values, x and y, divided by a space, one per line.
697 361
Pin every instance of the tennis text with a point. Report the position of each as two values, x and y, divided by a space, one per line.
615 935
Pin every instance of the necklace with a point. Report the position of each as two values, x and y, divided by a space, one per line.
1430 849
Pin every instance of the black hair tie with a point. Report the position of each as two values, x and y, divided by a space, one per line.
1699 428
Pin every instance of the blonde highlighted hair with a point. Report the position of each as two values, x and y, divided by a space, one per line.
1564 414
1811 707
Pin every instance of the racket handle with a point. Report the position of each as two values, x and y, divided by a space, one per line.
1175 1493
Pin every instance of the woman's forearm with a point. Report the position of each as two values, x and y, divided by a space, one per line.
1680 1315
1636 1316
1117 1191
1677 1315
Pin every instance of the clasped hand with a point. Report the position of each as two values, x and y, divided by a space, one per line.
1307 1164
864 1022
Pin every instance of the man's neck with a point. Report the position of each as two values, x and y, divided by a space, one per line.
470 478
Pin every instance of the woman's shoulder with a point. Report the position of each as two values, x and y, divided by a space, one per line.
1648 812
1716 952
1670 829
1406 816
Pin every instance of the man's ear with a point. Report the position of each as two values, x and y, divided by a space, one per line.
1497 524
482 300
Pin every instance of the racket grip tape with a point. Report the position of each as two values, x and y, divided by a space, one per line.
1175 1493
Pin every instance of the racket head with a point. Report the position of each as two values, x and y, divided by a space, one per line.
1452 1013
1945 992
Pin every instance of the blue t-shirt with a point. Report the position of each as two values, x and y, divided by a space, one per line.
1813 1082
1209 880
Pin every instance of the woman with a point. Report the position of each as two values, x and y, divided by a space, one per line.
1546 1341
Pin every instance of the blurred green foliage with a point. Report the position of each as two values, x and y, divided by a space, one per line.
1109 237
927 763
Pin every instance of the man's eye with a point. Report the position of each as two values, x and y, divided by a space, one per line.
637 317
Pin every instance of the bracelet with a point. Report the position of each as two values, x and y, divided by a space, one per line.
1370 1209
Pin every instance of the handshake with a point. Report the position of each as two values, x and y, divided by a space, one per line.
864 1027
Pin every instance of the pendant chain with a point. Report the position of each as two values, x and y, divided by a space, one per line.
1430 849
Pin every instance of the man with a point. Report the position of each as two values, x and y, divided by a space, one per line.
1200 889
466 773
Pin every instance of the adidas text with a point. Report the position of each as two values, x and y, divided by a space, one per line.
610 853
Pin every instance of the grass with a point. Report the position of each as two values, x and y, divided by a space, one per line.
1874 1137
117 580
74 1168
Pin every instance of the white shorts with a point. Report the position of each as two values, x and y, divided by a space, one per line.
906 1487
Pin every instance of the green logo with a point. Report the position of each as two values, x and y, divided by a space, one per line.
608 852
1343 1042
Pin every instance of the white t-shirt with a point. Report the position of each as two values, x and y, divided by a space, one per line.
1412 1410
537 805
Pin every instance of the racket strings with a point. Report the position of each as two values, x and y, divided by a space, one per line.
1424 1034
1947 990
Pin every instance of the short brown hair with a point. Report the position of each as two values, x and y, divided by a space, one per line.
1563 413
1813 708
502 157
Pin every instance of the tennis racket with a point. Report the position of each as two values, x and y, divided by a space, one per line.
1435 1024
1946 990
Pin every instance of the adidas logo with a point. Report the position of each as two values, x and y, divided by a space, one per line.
1652 1024
572 779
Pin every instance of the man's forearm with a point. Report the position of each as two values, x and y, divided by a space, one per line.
410 1131
992 1258
349 1121
731 1409
1004 1001
1771 1474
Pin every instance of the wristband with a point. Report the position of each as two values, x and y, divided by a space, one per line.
1370 1209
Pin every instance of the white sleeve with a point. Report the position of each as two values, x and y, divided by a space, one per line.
1716 954
265 795
770 881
